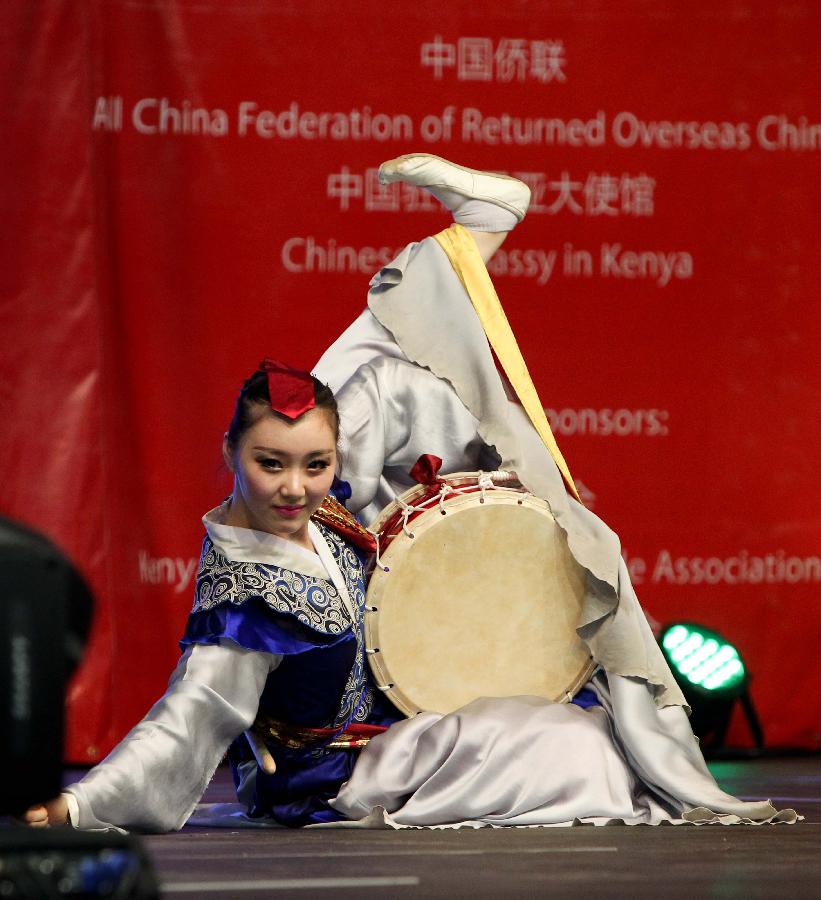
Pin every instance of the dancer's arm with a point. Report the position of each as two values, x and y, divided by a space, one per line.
393 412
154 778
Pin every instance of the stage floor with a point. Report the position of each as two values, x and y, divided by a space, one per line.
586 862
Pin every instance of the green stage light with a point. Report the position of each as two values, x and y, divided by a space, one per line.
713 679
703 660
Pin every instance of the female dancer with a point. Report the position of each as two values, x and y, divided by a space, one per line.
274 643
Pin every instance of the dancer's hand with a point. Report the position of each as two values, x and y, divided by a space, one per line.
54 812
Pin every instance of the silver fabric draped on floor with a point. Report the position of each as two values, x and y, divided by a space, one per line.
526 761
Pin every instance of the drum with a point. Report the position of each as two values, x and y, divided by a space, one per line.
474 593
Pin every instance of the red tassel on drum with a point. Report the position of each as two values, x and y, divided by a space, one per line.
426 469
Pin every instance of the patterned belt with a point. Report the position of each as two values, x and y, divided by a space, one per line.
300 737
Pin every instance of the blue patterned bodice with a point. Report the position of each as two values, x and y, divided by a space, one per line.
225 586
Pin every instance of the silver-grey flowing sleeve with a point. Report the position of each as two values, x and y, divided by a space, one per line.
155 776
391 412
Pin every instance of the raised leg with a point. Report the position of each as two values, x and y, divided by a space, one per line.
487 204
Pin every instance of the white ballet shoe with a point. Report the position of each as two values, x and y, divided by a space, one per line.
428 171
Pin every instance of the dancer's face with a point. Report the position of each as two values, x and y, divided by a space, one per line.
282 472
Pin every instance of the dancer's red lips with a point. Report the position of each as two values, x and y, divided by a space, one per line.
289 510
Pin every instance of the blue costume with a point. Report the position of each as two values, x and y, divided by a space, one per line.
274 643
323 680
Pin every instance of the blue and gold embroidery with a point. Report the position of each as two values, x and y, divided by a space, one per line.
315 602
357 698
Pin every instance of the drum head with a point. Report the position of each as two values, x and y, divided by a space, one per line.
482 601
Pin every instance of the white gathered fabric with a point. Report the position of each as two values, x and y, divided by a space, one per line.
525 761
498 762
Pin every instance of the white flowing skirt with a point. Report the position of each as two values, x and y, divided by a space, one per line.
524 761
511 761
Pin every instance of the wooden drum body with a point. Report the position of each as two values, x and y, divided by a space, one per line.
475 594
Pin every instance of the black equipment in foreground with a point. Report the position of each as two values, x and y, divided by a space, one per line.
45 614
60 862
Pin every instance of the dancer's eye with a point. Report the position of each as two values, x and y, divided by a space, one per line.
270 463
318 465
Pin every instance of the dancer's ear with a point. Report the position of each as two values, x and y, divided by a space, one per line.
227 453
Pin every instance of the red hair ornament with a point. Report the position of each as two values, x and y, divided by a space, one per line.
291 391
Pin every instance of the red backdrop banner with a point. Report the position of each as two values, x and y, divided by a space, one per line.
190 187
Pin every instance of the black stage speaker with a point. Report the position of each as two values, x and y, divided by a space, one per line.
45 611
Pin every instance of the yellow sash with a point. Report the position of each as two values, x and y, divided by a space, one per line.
467 262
